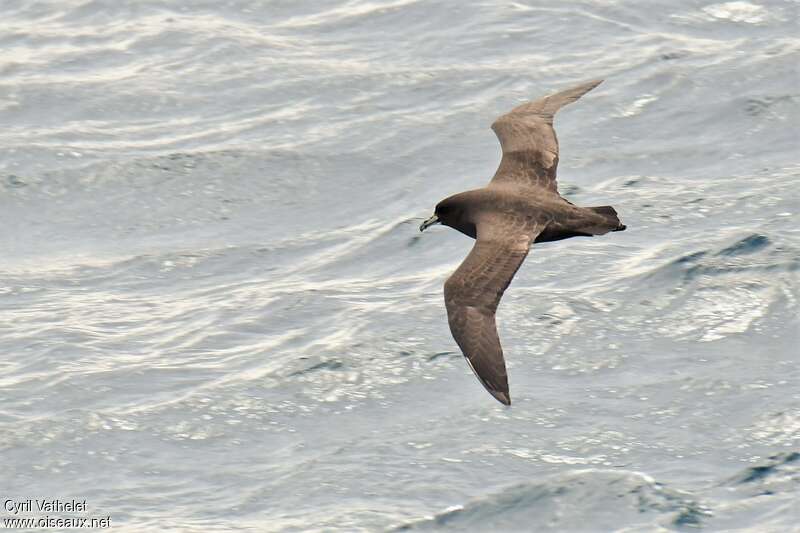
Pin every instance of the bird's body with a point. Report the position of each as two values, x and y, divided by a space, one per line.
560 219
519 207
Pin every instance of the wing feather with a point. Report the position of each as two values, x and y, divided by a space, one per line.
529 142
472 295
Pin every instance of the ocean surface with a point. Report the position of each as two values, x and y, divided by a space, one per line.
217 312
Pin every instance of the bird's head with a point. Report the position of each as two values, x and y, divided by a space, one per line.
441 214
450 212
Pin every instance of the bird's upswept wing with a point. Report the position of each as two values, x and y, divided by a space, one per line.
474 290
528 140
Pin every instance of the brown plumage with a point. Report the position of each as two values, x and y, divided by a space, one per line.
520 206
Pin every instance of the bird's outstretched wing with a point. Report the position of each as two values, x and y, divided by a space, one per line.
474 290
528 140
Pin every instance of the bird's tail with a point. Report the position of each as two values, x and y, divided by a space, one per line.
610 214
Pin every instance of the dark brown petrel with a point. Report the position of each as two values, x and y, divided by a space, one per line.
520 206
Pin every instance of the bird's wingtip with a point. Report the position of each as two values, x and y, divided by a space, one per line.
502 397
591 84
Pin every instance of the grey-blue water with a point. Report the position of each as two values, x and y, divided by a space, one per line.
217 312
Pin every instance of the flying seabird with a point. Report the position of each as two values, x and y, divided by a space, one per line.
518 207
